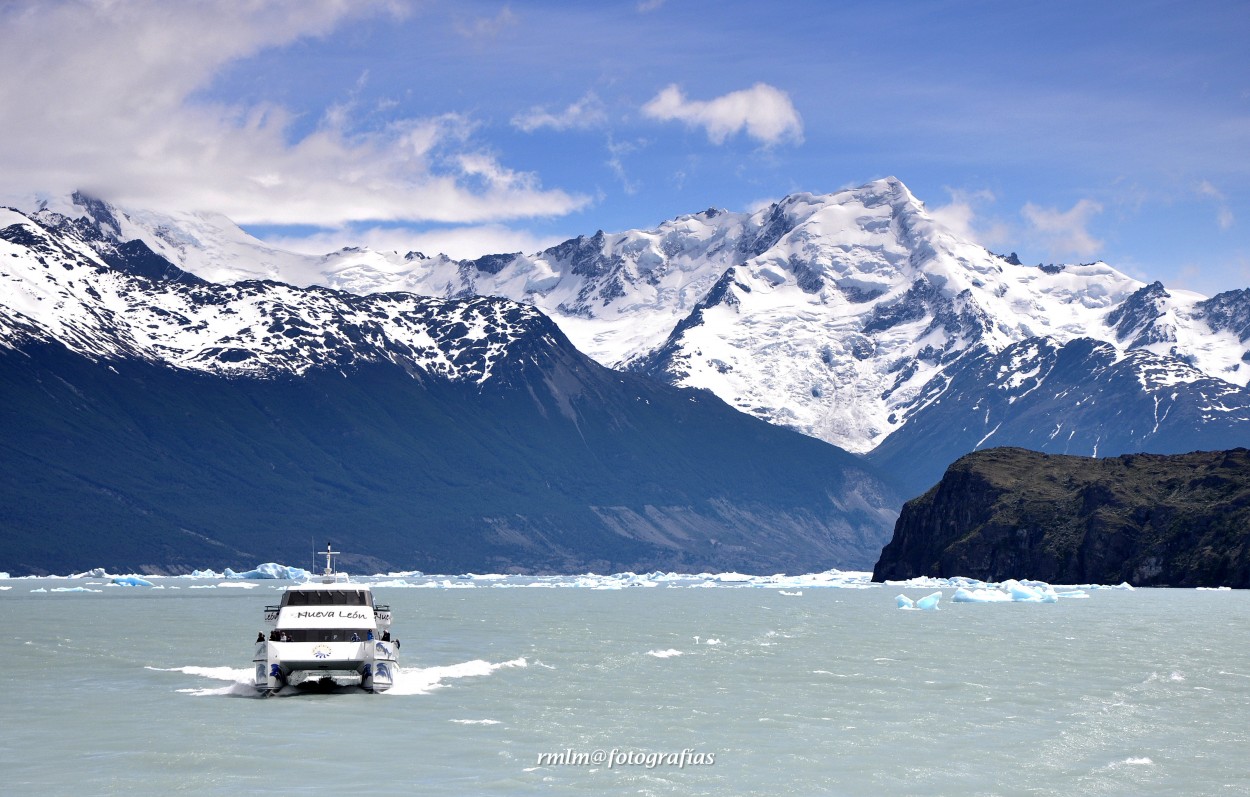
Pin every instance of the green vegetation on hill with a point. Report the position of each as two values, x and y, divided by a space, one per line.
1177 520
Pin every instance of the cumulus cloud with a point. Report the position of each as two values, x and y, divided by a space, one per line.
102 95
964 216
1064 232
586 113
764 112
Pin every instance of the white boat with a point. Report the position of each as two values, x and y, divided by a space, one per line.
327 631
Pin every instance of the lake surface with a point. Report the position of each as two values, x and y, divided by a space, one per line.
788 689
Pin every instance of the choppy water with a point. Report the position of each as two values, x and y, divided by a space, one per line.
831 691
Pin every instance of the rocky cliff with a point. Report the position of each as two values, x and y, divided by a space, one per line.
1151 520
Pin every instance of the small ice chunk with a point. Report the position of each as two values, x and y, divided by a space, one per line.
982 595
905 602
1022 593
929 602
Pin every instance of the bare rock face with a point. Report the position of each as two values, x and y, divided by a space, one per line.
1152 520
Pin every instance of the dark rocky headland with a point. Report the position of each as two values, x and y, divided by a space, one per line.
1152 520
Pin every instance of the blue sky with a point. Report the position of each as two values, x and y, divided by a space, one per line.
1065 131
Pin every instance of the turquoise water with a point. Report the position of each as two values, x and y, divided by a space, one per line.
831 691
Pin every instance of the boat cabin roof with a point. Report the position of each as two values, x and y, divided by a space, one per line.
327 595
335 586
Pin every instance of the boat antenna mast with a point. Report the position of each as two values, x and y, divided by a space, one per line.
330 554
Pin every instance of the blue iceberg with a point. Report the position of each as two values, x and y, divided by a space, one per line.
928 603
271 570
131 581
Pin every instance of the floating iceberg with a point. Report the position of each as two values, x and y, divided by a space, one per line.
1023 593
271 570
928 603
1012 591
131 581
963 595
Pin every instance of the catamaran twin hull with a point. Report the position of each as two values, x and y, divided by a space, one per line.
327 631
370 663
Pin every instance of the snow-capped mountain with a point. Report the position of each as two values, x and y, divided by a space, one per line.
1082 397
841 315
154 420
59 288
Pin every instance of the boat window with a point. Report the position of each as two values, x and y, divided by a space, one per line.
335 597
326 634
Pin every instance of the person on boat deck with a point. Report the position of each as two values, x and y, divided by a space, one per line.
355 637
386 636
284 637
369 635
273 635
260 636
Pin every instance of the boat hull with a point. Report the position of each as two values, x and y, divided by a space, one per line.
278 664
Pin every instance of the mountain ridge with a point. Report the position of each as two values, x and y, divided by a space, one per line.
153 419
837 313
844 316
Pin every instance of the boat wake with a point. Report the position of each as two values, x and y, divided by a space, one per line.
237 681
423 680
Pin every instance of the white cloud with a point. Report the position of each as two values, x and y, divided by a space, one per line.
1223 214
958 214
649 5
761 204
100 95
765 113
488 27
586 113
617 150
1206 188
1064 232
962 216
461 243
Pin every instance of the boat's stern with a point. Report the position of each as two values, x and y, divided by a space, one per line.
379 674
277 664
